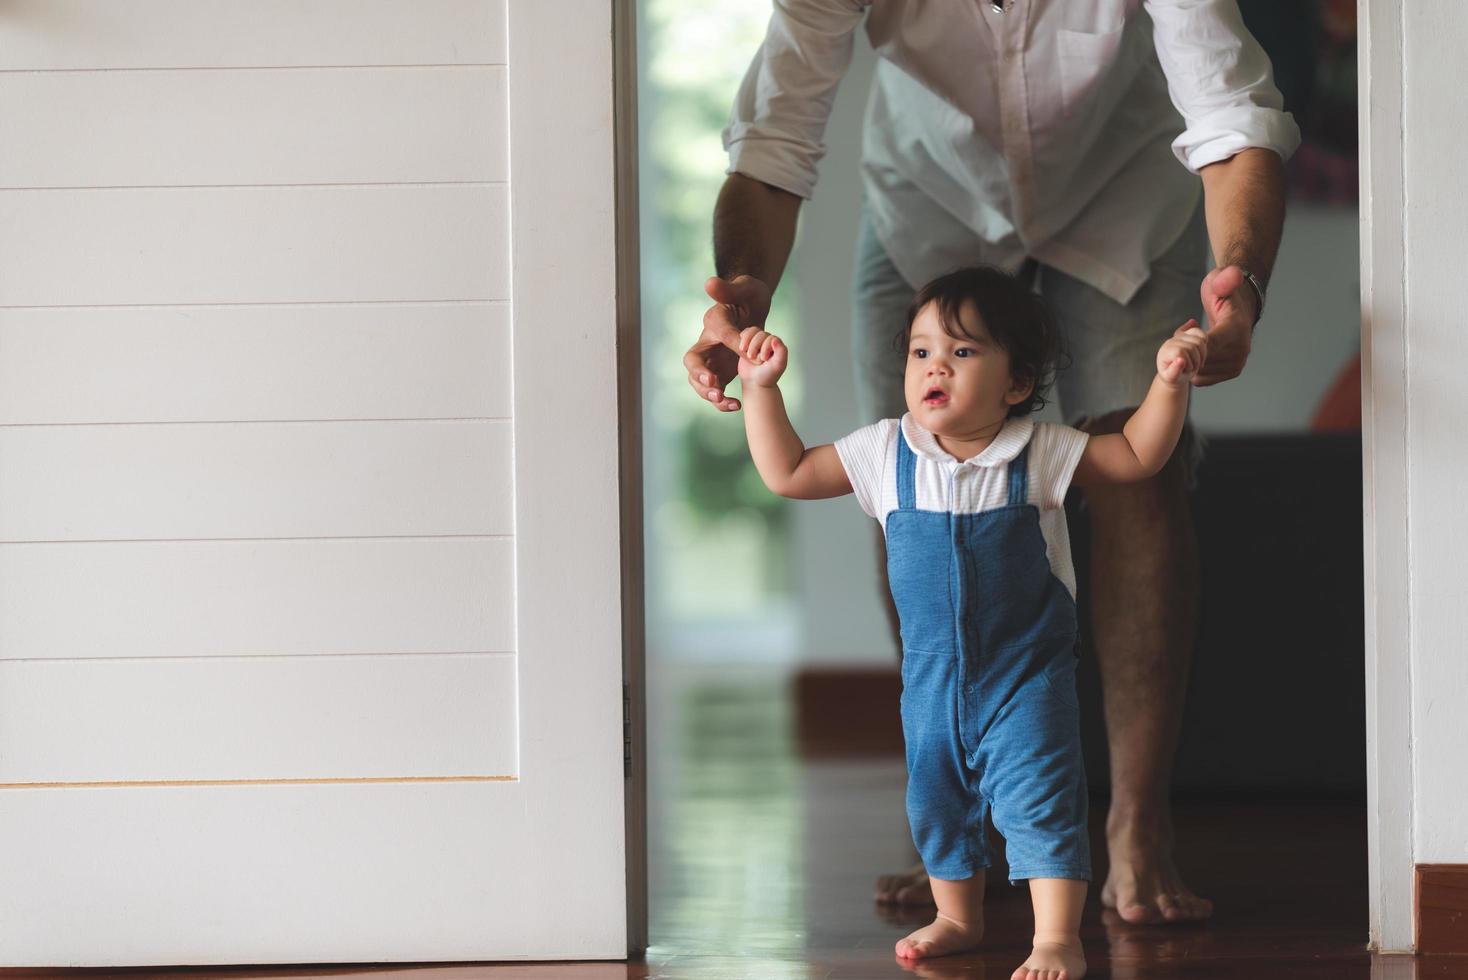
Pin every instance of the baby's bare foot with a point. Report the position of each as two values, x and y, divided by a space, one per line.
944 936
1053 961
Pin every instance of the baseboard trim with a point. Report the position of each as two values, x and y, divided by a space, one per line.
1442 909
848 711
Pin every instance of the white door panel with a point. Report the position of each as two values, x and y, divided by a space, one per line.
312 485
262 597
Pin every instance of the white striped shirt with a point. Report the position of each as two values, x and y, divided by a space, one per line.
944 483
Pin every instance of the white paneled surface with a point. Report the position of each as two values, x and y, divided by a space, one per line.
288 669
89 34
263 362
351 872
223 598
273 718
384 243
266 480
109 128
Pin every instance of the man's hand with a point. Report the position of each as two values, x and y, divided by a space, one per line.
1231 307
713 361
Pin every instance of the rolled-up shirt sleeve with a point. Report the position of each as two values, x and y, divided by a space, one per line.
779 115
1220 80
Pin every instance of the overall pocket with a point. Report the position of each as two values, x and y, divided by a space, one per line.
1060 678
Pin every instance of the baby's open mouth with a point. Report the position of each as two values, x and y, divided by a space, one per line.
935 396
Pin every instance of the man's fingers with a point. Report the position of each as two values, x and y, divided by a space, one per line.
1212 374
720 290
721 401
702 388
1223 282
700 373
697 366
742 301
718 325
705 383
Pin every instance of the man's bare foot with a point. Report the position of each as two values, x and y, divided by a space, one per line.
908 887
1053 961
1143 884
944 936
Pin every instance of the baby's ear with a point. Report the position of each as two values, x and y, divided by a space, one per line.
1019 391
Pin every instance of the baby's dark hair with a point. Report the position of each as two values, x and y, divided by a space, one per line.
1015 316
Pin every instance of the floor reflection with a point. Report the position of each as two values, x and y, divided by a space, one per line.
763 866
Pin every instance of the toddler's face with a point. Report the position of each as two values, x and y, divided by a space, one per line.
957 384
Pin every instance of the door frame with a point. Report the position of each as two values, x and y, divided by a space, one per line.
578 475
629 415
1384 458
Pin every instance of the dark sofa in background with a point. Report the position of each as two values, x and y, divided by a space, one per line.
1276 697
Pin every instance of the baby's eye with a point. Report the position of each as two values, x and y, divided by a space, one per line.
919 352
965 352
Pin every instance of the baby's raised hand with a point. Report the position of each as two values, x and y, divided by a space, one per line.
762 357
1182 354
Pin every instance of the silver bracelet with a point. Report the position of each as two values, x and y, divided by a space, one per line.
1258 291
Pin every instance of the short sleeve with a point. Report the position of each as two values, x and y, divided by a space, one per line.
864 457
1057 452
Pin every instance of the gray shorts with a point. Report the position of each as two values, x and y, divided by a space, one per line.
1111 348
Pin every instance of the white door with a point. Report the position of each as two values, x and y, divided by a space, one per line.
311 614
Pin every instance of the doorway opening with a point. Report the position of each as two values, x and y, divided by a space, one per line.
774 753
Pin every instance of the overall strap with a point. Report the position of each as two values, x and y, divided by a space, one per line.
906 472
1019 478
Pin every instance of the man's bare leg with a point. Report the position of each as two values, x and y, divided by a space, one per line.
1144 608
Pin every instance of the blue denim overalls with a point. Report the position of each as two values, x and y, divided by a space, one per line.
989 710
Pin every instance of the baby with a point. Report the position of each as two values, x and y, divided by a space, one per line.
969 490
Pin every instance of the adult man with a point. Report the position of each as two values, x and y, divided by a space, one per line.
1043 137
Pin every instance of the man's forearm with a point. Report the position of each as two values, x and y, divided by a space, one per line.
754 228
1243 198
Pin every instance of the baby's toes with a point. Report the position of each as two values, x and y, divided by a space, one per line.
908 949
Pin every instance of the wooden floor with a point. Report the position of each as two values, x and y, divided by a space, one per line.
763 864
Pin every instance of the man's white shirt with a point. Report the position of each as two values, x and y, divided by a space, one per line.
1049 130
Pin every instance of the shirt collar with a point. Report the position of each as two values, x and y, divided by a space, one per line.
1006 445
